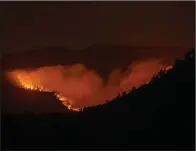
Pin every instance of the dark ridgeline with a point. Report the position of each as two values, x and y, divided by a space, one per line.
93 57
158 115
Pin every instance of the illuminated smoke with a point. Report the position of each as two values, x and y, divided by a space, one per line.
76 86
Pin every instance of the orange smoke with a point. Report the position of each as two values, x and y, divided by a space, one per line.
76 86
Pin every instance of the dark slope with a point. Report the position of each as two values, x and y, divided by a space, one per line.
159 115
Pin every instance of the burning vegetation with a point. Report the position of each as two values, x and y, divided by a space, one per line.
77 86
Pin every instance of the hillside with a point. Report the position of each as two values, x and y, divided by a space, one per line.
158 115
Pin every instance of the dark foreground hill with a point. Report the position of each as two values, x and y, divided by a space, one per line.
159 115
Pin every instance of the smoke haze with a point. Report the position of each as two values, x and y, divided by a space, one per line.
78 86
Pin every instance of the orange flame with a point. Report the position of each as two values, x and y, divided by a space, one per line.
28 84
66 101
24 81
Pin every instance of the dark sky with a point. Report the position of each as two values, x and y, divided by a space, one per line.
28 25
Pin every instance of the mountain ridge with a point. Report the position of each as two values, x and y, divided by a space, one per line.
159 115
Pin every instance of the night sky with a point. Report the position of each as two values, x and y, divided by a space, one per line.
77 25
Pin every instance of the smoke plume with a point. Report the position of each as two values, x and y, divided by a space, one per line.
77 86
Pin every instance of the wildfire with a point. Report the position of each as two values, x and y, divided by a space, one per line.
77 86
66 101
27 83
